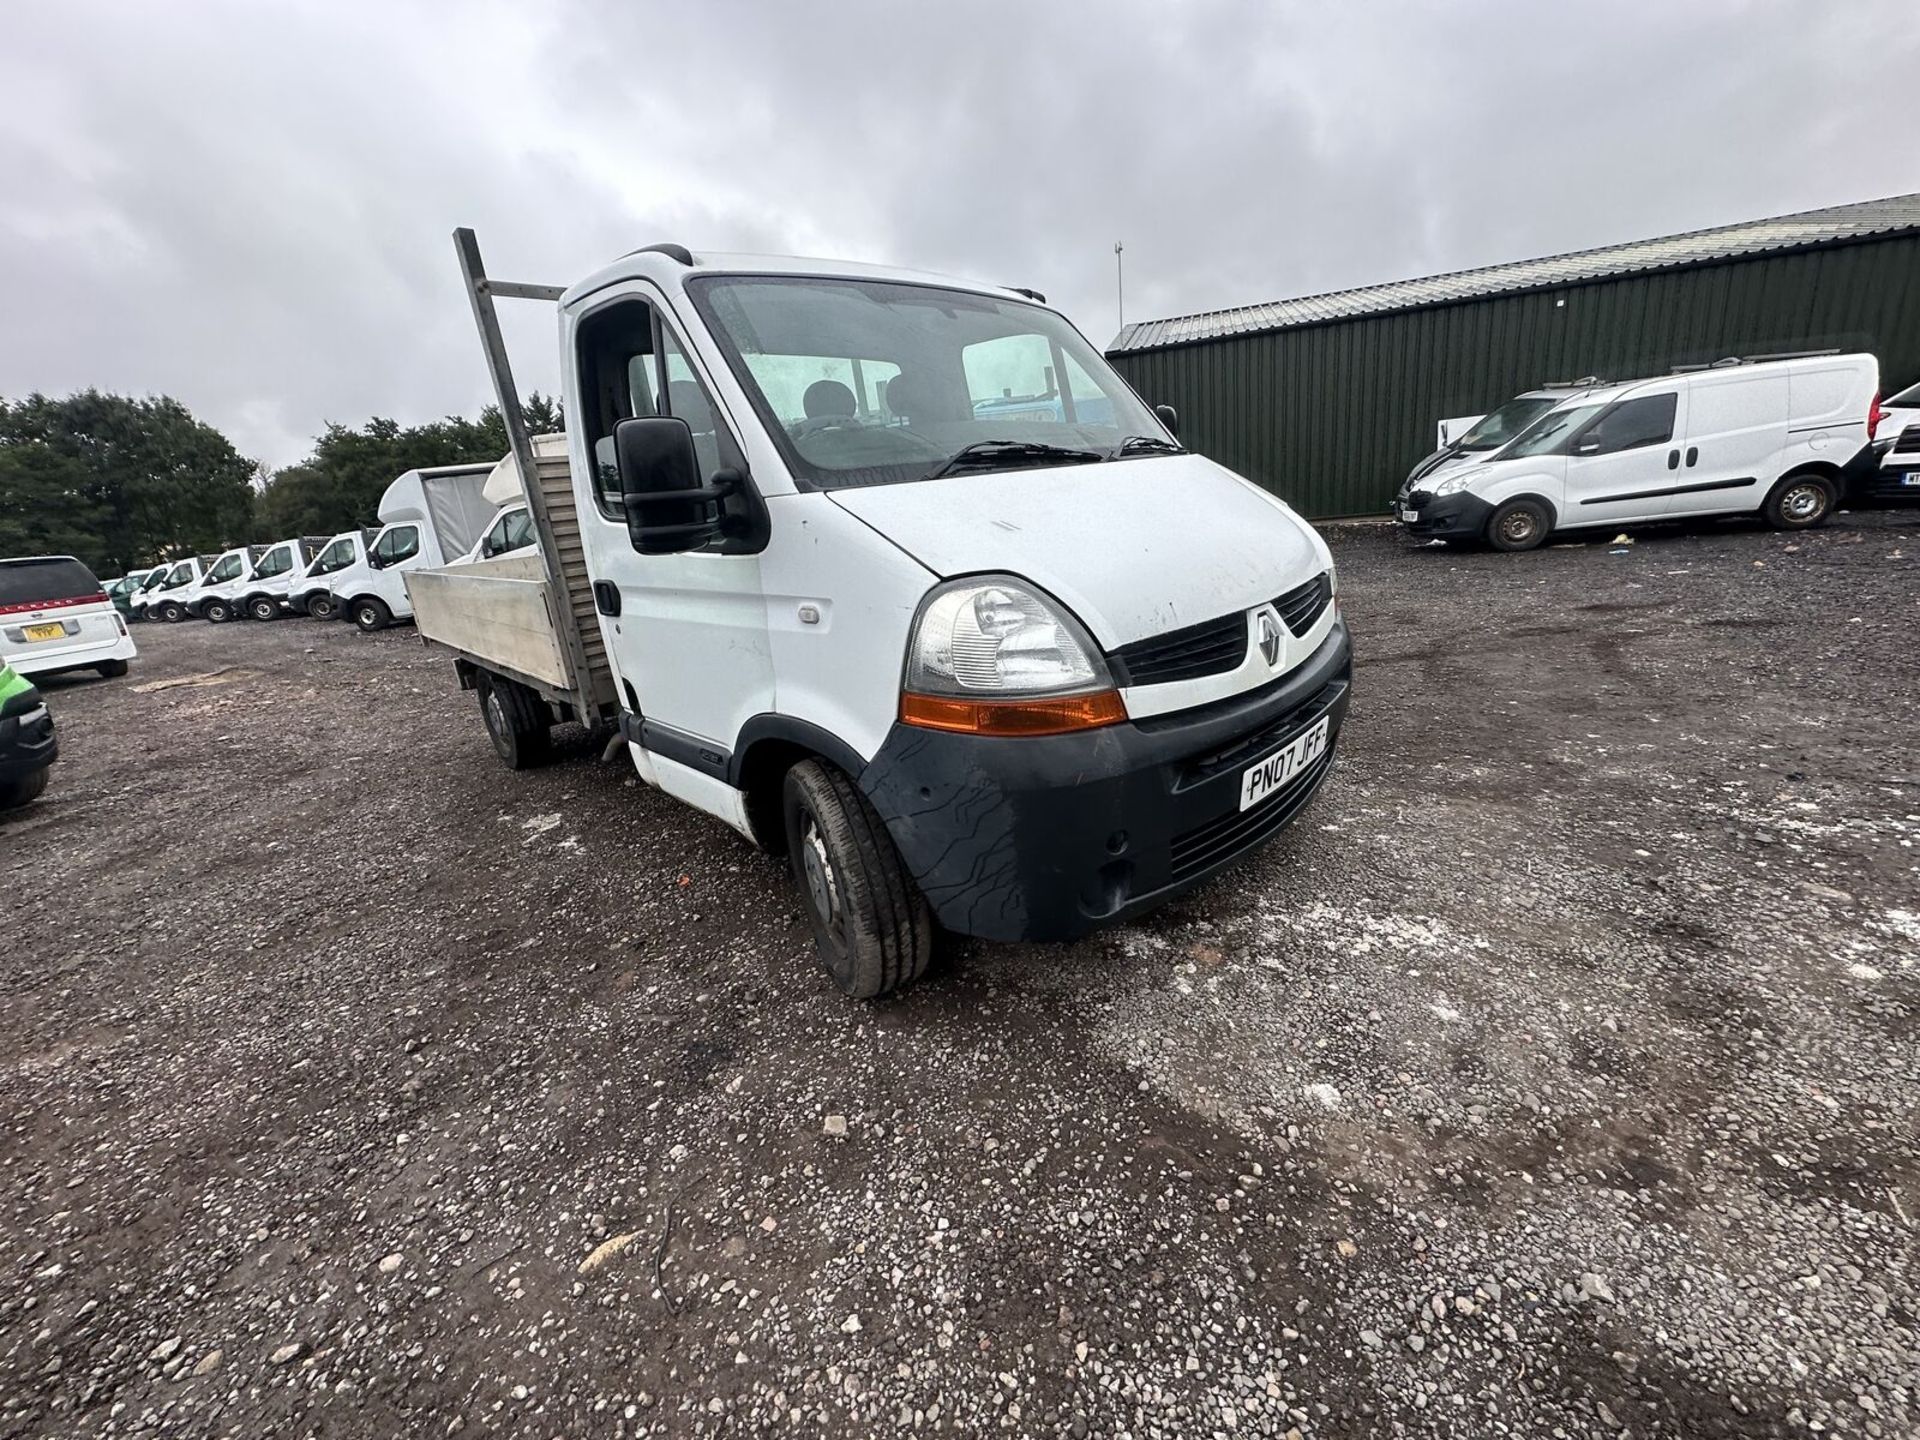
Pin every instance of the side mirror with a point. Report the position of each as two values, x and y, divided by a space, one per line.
375 562
1169 417
669 510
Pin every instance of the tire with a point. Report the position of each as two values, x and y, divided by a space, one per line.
112 669
218 612
871 925
263 608
15 793
370 615
517 722
173 612
321 606
1519 525
1800 502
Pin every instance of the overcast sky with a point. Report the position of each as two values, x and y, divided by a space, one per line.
247 205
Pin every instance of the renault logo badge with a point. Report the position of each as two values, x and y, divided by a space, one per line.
1268 629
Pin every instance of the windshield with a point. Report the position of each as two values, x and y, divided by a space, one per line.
1490 432
155 579
865 382
1550 431
179 575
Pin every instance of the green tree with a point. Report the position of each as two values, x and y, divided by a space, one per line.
118 481
340 484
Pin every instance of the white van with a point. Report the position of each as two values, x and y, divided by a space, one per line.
1482 435
54 616
1771 438
308 594
1017 671
510 534
166 600
428 517
263 594
215 595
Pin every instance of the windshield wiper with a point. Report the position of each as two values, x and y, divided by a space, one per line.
991 454
1147 445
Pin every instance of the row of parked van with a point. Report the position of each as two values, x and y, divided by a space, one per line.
430 518
1787 438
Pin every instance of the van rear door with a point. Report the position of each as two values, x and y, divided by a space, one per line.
1736 429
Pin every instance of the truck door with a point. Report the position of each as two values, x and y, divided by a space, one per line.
1624 465
1736 426
686 634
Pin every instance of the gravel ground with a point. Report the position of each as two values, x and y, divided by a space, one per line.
1558 1074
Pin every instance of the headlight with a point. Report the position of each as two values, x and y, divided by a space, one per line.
993 655
1452 483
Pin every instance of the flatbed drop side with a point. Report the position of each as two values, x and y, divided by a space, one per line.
1017 672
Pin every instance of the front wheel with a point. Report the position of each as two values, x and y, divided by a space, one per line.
518 723
173 612
322 606
871 925
263 607
1800 502
218 612
370 615
1519 525
15 793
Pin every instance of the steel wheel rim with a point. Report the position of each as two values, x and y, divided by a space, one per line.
823 887
1803 502
497 720
1517 527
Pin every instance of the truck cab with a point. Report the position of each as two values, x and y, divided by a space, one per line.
428 517
216 595
263 595
166 600
895 576
308 592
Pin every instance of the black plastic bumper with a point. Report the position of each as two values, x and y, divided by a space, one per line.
1444 517
26 746
1888 485
1048 838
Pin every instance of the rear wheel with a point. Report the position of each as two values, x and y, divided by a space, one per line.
1518 525
370 615
871 925
322 606
517 722
15 793
218 612
1800 502
263 607
112 669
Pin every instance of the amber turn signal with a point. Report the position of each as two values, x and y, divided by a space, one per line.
1058 716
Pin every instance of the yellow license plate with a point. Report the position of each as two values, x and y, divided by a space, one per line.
45 632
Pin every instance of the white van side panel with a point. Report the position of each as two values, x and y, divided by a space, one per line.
1834 392
1735 435
842 671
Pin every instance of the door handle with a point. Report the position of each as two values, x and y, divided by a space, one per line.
1673 459
606 597
1693 453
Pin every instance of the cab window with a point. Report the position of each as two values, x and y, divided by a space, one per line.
1630 425
276 561
228 567
400 543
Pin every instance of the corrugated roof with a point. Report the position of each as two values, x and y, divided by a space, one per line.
1783 232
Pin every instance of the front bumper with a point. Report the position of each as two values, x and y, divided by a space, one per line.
1886 484
1048 838
1459 516
26 744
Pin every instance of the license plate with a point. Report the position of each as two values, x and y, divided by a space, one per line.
1409 515
1271 774
1912 477
45 632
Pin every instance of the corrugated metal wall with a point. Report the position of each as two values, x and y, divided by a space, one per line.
1331 417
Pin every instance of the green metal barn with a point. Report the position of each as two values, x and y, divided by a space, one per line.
1329 400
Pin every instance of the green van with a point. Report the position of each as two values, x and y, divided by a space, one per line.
27 742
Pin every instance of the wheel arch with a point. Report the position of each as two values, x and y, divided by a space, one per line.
767 748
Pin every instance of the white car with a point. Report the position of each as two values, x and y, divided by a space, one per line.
166 600
1772 438
55 617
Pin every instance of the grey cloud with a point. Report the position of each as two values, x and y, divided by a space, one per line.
248 206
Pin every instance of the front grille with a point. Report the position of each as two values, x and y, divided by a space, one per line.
1300 607
1205 846
1213 647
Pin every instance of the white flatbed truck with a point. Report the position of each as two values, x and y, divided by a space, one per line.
1014 670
